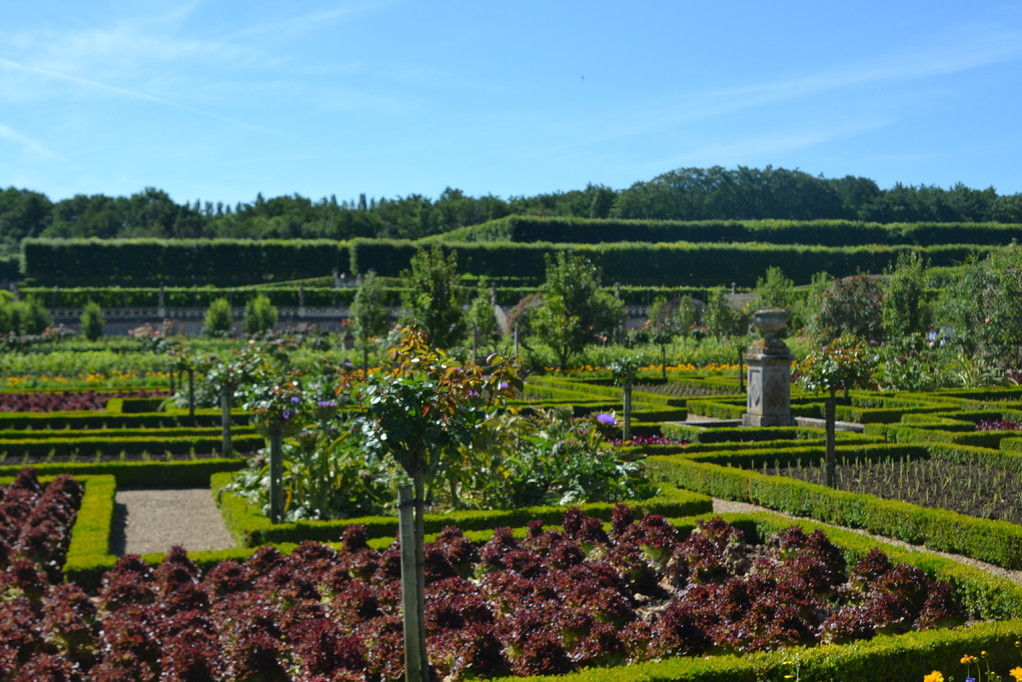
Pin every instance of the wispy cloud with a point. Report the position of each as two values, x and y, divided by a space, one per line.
30 147
949 55
315 21
132 94
753 149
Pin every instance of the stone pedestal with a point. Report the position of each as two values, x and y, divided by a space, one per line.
769 377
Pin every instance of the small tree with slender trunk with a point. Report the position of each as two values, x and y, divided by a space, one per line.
369 315
843 364
624 371
419 411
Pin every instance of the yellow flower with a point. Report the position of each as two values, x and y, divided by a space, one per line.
935 676
967 659
1016 673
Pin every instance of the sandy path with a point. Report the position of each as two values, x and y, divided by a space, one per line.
156 520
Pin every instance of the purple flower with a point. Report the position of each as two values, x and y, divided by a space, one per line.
606 419
503 385
295 399
327 403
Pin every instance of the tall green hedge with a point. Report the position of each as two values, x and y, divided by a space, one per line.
74 262
524 229
677 264
10 269
68 263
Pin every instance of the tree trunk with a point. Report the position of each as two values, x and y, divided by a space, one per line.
741 375
420 566
276 438
191 393
663 362
414 635
225 420
831 461
626 432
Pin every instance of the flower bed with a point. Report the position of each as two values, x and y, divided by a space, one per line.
68 401
36 522
981 488
550 601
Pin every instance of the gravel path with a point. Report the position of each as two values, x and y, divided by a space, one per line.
155 520
727 507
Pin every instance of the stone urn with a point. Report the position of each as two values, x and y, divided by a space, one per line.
769 321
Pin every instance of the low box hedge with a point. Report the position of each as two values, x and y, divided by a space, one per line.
105 420
89 552
995 542
251 527
12 448
169 432
901 658
178 474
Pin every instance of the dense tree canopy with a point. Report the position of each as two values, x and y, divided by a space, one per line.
683 194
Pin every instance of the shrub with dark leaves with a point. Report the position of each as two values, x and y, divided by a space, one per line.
553 602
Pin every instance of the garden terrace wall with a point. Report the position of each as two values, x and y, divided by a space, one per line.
290 295
701 264
199 296
50 262
730 476
518 228
77 262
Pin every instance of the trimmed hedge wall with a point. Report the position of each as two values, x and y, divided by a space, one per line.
72 262
10 269
522 229
691 264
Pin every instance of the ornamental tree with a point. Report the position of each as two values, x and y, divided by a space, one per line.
431 299
260 315
624 371
842 364
369 315
92 321
575 311
420 411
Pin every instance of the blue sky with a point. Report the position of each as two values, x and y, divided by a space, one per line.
218 100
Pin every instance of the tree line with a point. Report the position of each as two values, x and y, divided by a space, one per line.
684 194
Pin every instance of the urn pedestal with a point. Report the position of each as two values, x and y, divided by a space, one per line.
769 375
